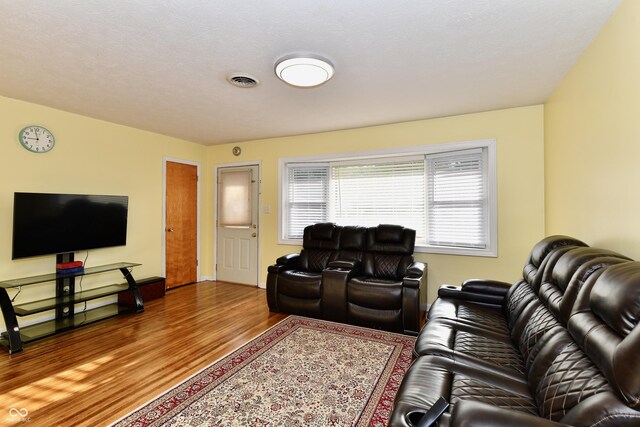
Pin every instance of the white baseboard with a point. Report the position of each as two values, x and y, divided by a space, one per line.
207 278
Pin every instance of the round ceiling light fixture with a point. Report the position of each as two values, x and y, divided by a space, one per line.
302 71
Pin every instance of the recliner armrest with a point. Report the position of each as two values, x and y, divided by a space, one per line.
286 262
415 275
288 259
490 287
416 270
468 413
458 292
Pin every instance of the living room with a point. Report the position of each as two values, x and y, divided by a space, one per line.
564 166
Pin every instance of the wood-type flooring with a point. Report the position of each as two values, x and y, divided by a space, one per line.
93 375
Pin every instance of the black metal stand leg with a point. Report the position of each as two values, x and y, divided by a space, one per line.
133 287
10 321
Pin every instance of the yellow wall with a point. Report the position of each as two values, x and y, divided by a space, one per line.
90 157
519 136
97 157
592 140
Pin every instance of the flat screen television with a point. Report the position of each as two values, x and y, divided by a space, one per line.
45 223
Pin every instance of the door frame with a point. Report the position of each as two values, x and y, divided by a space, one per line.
164 212
258 164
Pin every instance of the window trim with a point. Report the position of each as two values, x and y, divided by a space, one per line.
490 144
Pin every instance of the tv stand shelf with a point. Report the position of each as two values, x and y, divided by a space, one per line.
63 303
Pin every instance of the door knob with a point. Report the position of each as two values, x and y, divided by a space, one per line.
254 234
170 230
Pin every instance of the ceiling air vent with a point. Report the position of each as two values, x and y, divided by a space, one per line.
242 80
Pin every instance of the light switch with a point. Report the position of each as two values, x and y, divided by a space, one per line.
266 209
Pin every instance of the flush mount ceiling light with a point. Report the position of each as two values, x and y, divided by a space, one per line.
304 71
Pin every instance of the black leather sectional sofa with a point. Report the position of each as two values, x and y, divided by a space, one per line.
357 275
559 347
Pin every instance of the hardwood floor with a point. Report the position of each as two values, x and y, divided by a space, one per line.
94 375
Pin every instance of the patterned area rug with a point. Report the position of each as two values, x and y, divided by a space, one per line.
301 372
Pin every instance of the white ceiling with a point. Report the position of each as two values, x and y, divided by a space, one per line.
162 65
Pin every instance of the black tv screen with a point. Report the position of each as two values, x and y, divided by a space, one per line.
46 223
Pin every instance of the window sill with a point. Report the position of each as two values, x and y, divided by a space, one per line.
449 250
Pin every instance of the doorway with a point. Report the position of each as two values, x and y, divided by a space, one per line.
181 223
237 228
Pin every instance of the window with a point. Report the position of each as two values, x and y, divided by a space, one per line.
306 201
383 191
457 201
445 192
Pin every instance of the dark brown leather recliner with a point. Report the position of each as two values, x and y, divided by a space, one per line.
562 348
294 282
367 278
385 292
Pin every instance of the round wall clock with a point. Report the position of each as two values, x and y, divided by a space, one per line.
37 139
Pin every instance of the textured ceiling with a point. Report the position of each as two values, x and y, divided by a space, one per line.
162 65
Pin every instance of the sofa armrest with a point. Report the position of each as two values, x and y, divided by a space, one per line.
286 262
416 270
345 263
334 289
490 287
468 413
288 259
415 276
414 297
458 292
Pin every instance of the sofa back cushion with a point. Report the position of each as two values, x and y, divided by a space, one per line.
540 252
389 251
604 323
320 245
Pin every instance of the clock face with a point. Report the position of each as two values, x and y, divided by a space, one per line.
36 139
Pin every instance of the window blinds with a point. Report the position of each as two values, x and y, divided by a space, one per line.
457 199
444 196
307 194
379 192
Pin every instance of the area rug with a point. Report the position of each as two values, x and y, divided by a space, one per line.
300 372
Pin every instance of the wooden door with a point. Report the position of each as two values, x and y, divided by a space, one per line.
181 232
237 225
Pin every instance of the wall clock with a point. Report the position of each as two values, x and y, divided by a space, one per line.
36 139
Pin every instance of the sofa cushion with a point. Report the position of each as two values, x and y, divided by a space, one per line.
300 284
375 293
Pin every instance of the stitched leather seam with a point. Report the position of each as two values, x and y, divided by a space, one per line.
610 417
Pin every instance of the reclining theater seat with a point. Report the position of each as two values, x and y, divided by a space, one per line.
578 344
390 286
294 283
363 276
565 270
489 302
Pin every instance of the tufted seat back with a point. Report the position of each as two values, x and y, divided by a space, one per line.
320 244
541 250
604 323
389 251
589 371
522 293
565 274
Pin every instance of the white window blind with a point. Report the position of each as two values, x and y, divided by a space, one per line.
448 197
379 192
457 199
307 194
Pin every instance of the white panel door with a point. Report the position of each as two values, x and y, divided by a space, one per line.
237 225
